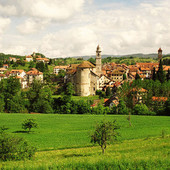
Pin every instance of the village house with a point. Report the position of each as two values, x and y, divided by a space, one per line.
2 70
5 66
103 81
2 76
138 95
58 68
44 60
116 75
23 81
34 74
20 73
112 101
12 59
29 58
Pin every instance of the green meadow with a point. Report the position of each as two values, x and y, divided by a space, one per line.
63 141
57 131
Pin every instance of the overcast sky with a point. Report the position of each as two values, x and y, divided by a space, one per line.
61 28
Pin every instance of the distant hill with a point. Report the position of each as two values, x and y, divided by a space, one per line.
139 55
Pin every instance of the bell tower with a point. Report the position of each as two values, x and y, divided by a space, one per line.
159 54
98 61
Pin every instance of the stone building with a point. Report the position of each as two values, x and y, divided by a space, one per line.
85 76
159 54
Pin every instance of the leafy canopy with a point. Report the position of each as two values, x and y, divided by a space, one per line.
105 133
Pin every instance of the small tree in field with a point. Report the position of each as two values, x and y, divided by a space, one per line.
105 133
29 124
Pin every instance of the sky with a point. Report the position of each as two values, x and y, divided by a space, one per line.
65 28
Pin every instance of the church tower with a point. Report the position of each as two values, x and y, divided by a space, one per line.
98 61
159 54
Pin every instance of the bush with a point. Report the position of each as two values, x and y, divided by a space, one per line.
29 124
140 109
15 148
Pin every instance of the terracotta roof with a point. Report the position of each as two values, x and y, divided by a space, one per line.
166 68
42 59
60 67
117 72
2 75
14 71
18 77
159 99
86 64
29 56
34 71
3 69
73 66
139 90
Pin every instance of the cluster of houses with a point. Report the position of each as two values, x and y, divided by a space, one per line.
87 78
25 78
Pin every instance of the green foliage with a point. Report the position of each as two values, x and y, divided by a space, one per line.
41 66
105 133
92 60
108 92
137 77
100 110
122 109
16 105
14 148
140 109
40 98
68 89
160 74
167 108
2 103
29 124
124 77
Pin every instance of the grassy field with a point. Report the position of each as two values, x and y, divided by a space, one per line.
63 142
69 131
152 153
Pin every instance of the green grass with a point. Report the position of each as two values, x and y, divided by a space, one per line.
153 153
68 131
77 98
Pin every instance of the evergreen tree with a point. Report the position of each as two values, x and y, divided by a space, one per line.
137 77
160 74
168 75
108 92
154 74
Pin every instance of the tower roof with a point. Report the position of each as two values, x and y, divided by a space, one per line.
98 48
159 50
86 64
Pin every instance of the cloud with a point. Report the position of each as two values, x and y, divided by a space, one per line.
32 26
4 23
76 27
8 10
51 9
70 42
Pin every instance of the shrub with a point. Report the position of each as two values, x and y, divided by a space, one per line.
15 148
29 124
140 109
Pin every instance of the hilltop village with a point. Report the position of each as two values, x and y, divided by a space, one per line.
112 81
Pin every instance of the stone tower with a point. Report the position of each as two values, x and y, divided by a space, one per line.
98 61
159 54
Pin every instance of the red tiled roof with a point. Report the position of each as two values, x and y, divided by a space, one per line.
34 71
159 99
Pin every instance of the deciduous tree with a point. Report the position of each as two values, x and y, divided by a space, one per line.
105 133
